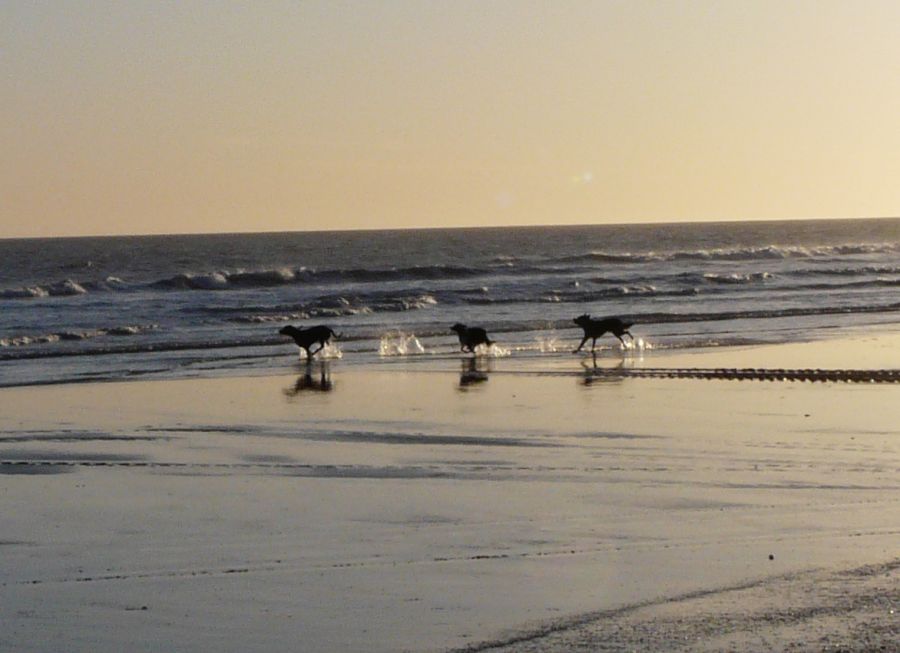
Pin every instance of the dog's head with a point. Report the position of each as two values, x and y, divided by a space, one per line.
287 330
459 328
582 320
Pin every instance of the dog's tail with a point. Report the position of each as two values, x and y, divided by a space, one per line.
335 333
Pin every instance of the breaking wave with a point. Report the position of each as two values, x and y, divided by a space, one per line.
66 288
225 280
88 334
842 259
736 278
762 253
339 306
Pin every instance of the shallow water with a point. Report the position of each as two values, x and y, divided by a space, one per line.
108 308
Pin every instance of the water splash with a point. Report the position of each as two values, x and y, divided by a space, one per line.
548 344
637 345
492 351
398 343
330 351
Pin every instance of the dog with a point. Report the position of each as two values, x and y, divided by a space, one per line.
595 328
306 338
471 337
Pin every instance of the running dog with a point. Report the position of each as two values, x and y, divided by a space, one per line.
306 338
471 337
595 328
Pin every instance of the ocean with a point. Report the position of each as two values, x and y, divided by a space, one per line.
84 309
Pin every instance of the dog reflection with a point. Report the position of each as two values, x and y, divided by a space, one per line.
473 372
594 374
310 382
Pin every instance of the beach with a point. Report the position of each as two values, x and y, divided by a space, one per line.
450 327
446 503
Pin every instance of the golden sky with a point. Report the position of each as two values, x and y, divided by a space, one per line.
144 117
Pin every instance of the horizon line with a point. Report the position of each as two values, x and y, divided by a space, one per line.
447 228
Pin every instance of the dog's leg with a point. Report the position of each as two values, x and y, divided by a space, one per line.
593 344
578 349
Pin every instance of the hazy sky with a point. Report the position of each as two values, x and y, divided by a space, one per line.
151 117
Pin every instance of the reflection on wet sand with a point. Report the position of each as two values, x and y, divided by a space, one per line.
595 374
474 371
389 513
308 381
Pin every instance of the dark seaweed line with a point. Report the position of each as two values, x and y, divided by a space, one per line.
758 374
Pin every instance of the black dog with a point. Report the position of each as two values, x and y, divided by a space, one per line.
471 337
596 328
306 338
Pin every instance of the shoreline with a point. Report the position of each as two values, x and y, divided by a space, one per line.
432 506
845 351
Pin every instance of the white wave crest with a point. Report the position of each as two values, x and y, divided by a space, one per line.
211 281
129 329
23 293
736 278
21 341
66 288
419 302
115 283
49 338
274 277
266 319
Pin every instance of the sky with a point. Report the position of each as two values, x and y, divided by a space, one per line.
133 117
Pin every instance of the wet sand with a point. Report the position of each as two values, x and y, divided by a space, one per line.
518 504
